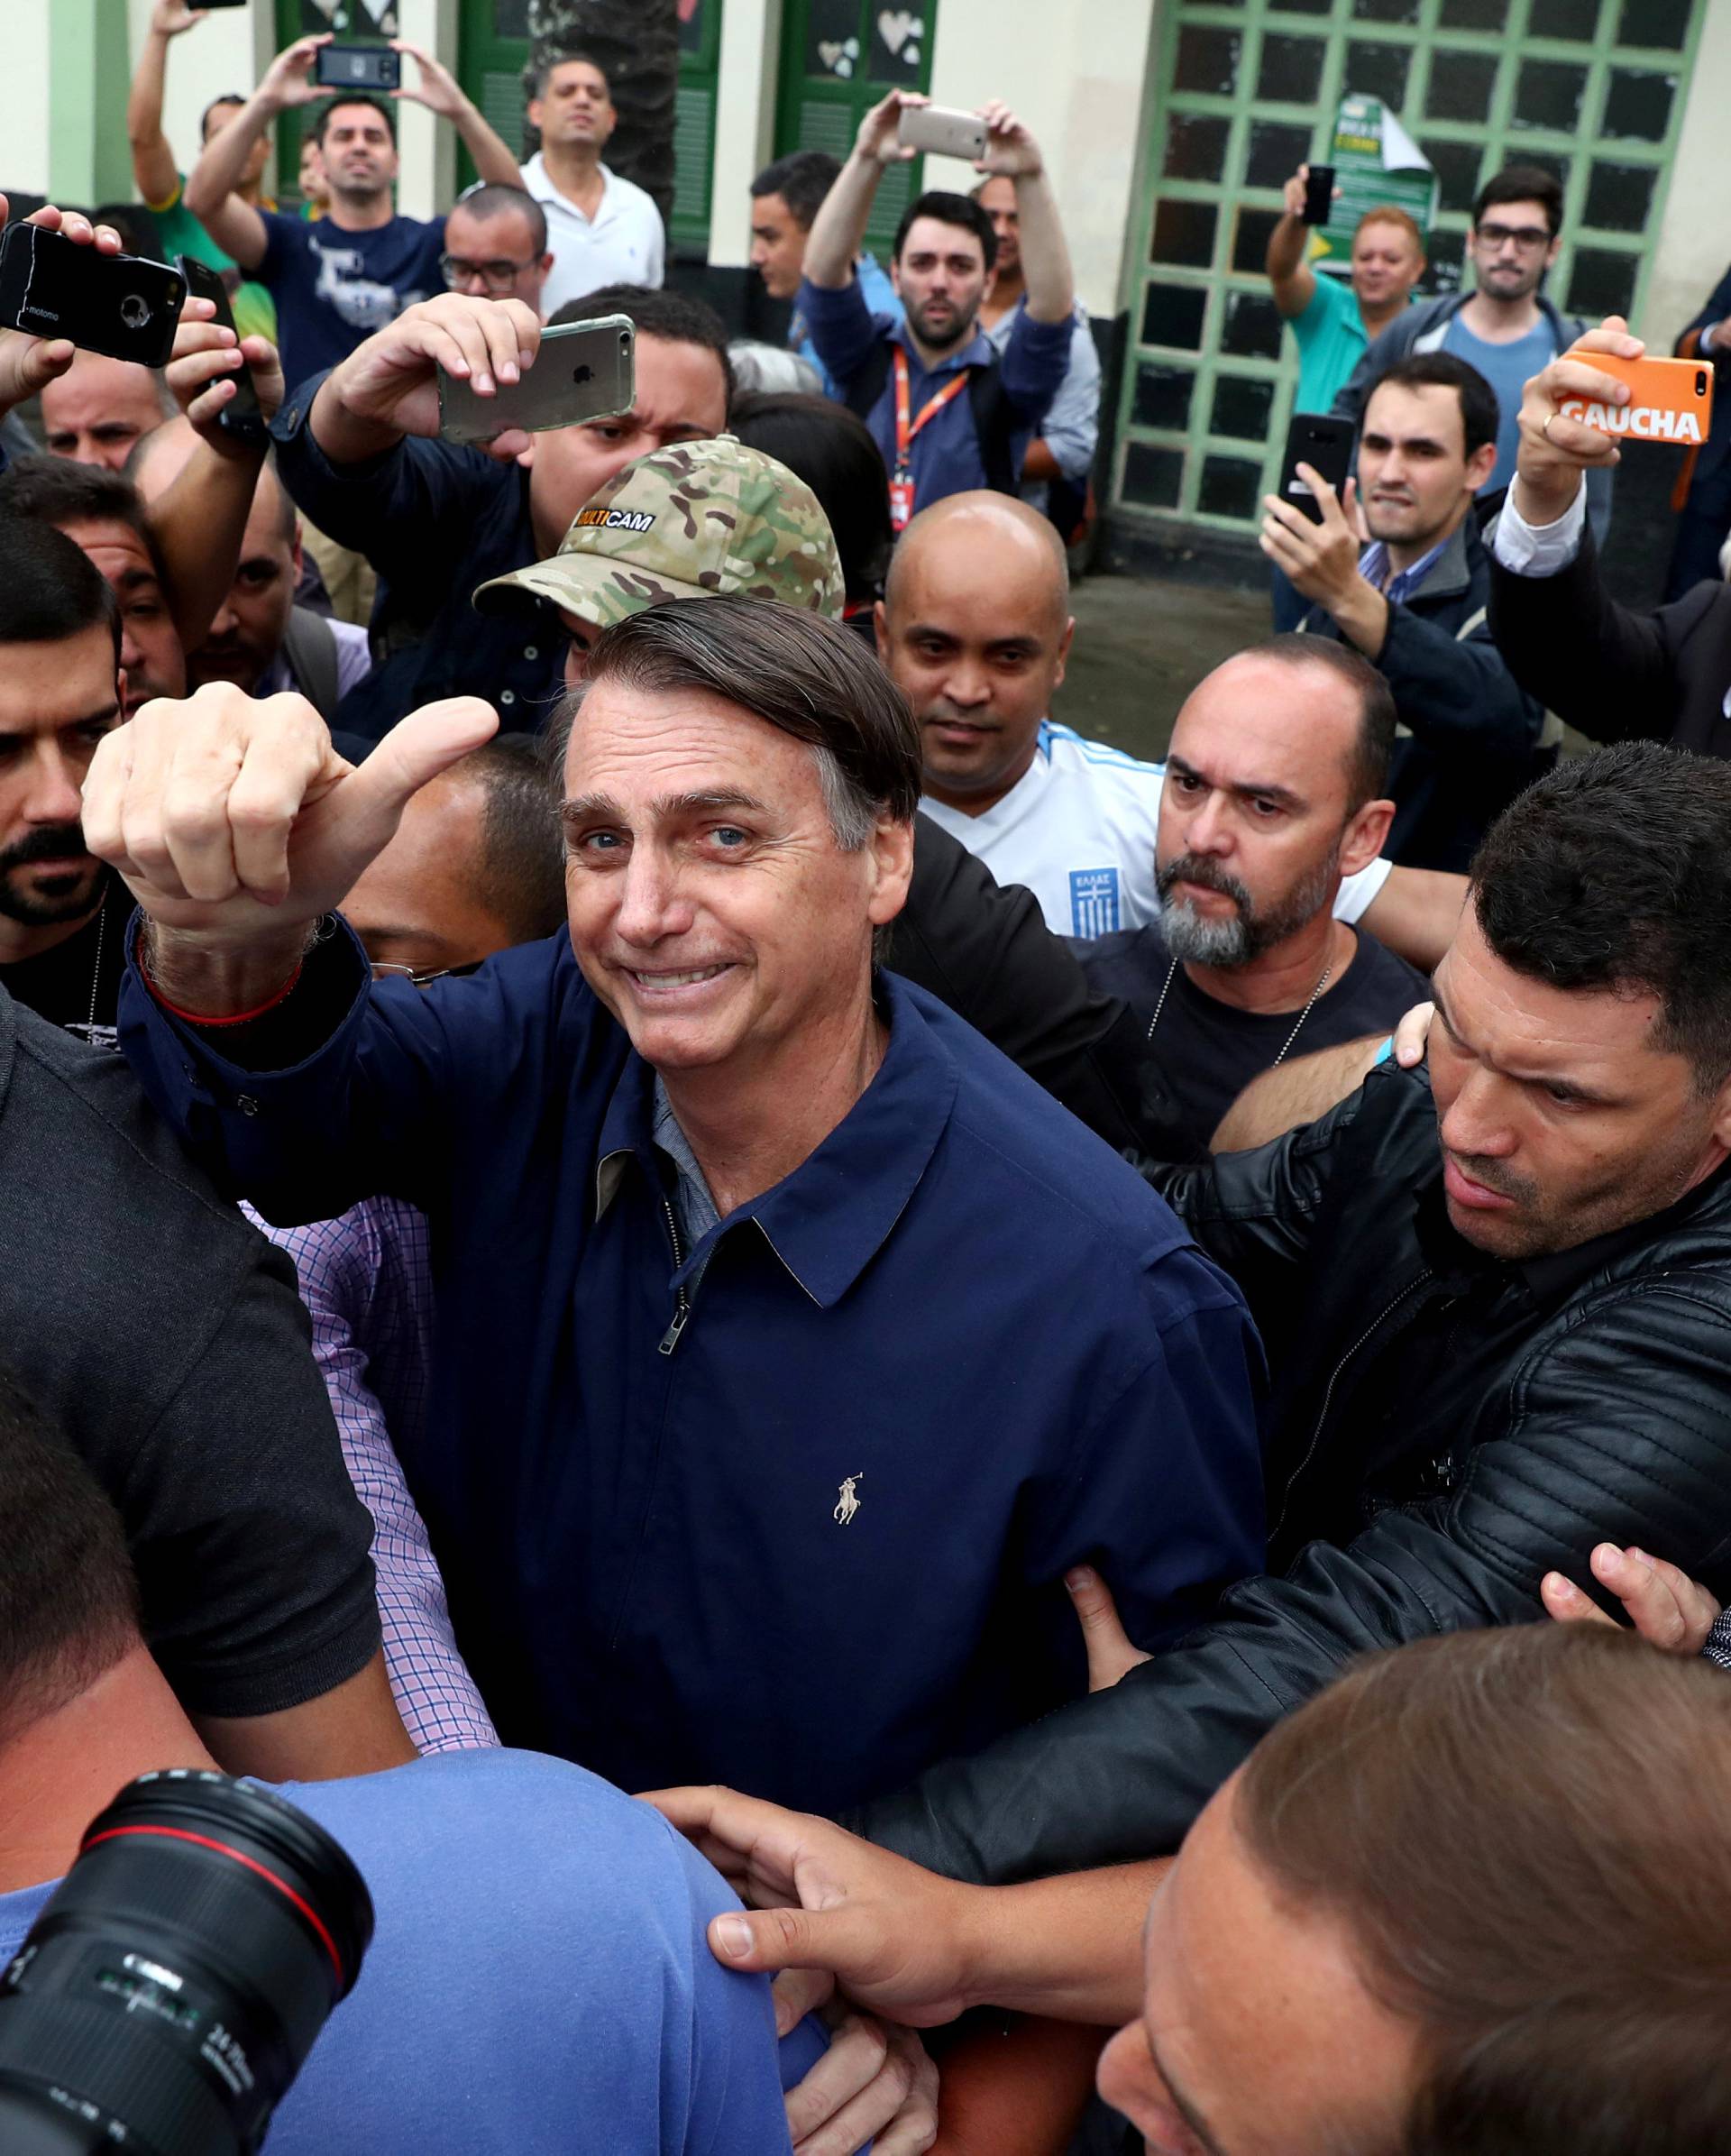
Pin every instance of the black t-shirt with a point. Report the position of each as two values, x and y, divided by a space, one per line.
1205 1052
77 984
164 1337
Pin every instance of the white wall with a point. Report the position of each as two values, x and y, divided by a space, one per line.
1074 70
23 98
744 123
1695 236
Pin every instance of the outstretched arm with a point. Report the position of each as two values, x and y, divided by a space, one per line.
212 184
838 230
440 92
154 172
1011 152
1292 277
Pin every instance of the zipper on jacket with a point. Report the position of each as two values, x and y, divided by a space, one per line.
1374 1325
682 1305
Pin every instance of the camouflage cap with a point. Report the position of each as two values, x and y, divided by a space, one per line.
696 520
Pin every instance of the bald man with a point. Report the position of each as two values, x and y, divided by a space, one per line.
98 409
261 640
975 628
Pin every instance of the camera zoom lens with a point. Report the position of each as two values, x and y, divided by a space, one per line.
134 310
173 1984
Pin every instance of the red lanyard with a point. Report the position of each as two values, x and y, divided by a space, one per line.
906 428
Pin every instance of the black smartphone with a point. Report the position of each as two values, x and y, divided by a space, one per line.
1319 195
358 67
242 416
1319 439
120 304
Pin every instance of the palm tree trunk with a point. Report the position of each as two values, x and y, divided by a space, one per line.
637 42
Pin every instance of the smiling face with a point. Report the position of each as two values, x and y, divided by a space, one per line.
710 907
1559 1117
1258 2036
1415 480
681 397
941 274
1386 264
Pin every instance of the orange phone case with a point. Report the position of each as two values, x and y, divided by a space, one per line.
1671 401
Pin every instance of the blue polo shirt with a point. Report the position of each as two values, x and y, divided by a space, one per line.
944 457
811 1539
539 1980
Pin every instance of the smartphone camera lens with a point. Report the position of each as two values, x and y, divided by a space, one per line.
136 311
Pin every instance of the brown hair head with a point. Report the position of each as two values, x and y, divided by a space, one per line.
794 669
1526 1832
1386 213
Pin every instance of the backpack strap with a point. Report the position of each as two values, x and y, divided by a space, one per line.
309 645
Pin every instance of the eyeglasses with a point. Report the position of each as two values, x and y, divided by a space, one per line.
497 276
1528 238
384 970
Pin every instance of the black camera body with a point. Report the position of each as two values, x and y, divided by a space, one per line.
358 67
120 304
169 1991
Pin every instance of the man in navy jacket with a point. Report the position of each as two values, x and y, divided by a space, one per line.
791 1345
1704 521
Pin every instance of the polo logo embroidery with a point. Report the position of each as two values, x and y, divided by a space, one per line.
1094 902
849 1504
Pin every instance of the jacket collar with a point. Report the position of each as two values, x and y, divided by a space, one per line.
1555 1276
828 1219
1451 571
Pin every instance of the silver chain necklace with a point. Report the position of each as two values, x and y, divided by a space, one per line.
1171 975
96 972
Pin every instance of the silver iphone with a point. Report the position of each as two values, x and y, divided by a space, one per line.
582 370
937 129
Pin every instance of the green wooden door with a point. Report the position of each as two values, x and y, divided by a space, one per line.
1245 91
838 58
493 49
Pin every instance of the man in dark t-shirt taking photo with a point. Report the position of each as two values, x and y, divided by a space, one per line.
354 269
1274 791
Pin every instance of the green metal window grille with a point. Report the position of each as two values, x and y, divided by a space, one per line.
838 58
1246 91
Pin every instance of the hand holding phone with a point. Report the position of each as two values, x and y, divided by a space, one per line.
367 69
27 363
1325 443
241 415
1670 400
582 370
940 132
55 284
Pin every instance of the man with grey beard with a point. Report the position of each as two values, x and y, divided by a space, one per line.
1274 793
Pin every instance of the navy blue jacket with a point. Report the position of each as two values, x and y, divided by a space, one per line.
1712 478
964 1307
435 521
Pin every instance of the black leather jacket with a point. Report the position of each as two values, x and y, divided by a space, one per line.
1444 1430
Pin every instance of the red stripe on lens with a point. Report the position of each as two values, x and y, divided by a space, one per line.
239 1857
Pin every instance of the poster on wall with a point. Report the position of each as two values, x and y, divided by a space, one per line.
1376 165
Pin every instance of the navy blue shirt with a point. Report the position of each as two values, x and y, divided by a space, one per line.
814 1539
944 457
435 520
334 288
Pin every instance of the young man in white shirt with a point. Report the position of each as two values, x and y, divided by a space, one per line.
974 626
602 229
